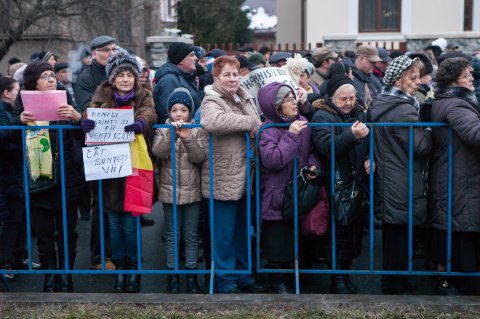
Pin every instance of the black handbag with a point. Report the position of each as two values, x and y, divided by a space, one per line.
346 203
308 194
43 184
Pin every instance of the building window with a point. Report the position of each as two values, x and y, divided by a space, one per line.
380 15
467 15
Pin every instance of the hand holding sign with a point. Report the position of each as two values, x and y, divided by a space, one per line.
109 126
43 105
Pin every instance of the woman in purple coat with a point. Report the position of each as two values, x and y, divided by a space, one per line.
278 147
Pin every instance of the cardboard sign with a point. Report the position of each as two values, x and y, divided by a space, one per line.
107 161
263 76
44 104
109 126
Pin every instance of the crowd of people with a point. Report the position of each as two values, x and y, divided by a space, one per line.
367 85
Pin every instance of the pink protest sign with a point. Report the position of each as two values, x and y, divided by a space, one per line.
44 104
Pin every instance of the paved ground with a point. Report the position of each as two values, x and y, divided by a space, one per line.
154 258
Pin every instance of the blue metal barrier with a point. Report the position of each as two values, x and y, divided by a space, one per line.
371 270
250 230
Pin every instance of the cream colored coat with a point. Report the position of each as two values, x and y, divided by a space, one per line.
227 119
189 155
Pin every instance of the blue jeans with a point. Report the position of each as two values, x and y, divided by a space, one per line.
231 243
123 236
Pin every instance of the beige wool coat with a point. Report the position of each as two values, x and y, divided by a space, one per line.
189 154
227 119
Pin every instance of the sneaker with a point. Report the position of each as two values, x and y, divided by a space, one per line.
25 262
9 277
109 265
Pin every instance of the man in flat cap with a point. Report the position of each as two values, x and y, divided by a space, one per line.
91 77
179 71
64 76
279 59
322 59
102 48
366 57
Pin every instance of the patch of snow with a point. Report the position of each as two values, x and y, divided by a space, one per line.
259 19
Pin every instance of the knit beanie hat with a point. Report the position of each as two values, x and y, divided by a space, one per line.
32 73
281 93
257 58
45 55
335 82
182 96
178 51
395 69
295 67
119 62
310 69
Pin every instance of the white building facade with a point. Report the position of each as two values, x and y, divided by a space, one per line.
389 23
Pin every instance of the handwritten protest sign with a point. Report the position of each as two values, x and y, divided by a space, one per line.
109 126
107 161
263 76
44 104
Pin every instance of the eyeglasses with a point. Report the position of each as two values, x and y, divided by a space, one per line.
346 99
107 50
468 76
290 99
46 77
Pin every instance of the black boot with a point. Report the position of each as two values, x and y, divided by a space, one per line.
65 282
191 283
49 262
173 285
120 279
279 282
133 280
341 284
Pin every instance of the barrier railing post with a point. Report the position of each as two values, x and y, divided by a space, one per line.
26 179
295 222
332 208
212 219
250 229
64 201
410 198
102 233
174 194
371 198
449 211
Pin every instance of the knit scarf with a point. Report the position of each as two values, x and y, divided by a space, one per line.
123 100
393 91
458 92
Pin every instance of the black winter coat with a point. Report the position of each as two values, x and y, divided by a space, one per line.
87 83
361 79
11 153
391 160
464 119
74 177
350 153
168 78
